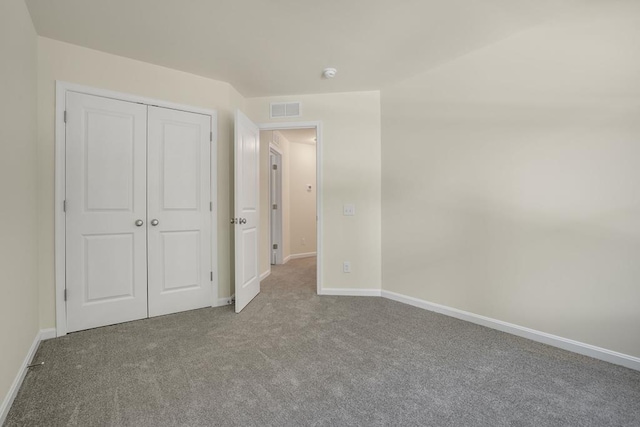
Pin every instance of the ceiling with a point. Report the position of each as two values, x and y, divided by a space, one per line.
280 47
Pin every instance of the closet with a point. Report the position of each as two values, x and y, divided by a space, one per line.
137 206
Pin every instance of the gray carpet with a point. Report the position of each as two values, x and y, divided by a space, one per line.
293 358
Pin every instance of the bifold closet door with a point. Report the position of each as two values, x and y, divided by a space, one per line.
106 237
178 213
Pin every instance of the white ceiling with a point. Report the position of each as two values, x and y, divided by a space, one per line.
279 47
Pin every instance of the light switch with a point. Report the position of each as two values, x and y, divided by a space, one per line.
346 267
349 209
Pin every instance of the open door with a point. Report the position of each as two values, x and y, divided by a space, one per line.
247 215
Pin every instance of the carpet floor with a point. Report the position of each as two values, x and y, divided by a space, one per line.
292 358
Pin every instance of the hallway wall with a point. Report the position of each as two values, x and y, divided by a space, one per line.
302 210
267 137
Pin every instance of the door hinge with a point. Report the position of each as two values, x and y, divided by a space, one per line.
210 206
65 294
275 167
275 246
211 276
64 206
211 136
64 116
275 206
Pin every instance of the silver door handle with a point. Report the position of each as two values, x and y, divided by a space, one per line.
139 223
155 222
243 220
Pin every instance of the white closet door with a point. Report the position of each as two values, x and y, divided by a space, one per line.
106 275
179 232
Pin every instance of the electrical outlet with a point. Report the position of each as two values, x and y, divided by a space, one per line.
349 209
346 267
303 241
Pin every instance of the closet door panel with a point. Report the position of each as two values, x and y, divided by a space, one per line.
106 257
179 188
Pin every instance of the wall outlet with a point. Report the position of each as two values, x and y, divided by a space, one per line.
303 241
349 209
346 267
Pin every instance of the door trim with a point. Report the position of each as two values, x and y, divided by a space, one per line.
59 185
318 126
277 226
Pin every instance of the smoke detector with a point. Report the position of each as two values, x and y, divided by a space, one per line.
329 73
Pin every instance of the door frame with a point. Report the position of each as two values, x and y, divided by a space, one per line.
60 186
277 226
318 126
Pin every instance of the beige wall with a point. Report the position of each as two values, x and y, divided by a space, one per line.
351 174
18 190
66 62
511 180
302 210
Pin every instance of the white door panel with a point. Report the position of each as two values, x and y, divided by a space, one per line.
105 196
179 246
247 199
249 256
102 281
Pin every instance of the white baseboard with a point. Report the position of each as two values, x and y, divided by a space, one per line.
47 334
302 255
43 334
265 275
521 331
224 301
350 292
286 259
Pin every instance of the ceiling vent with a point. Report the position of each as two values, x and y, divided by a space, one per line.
285 109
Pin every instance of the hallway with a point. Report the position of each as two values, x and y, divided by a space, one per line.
296 276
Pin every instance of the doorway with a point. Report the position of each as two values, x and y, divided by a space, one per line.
293 202
252 210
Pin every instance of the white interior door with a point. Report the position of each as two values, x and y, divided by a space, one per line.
179 216
106 273
247 218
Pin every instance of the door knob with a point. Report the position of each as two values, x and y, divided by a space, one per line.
243 220
155 222
139 223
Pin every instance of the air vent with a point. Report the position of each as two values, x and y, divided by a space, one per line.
285 109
